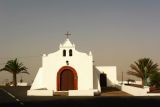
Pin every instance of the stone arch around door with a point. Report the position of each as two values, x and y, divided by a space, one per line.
73 74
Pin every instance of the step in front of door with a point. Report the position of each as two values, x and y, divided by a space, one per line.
60 94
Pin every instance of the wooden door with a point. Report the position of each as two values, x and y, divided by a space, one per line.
103 80
66 80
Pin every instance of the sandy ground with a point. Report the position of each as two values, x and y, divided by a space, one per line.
111 91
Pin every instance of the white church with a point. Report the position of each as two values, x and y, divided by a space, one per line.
72 73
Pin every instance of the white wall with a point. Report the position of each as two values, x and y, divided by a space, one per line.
111 73
40 93
96 79
135 91
82 63
126 82
81 92
38 81
88 75
51 64
22 84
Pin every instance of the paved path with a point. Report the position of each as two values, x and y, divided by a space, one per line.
56 101
7 99
111 91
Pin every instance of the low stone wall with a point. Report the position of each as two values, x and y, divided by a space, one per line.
39 93
81 92
22 84
136 91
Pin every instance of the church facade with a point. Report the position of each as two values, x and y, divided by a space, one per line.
71 71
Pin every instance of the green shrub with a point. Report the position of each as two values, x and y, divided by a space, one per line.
155 79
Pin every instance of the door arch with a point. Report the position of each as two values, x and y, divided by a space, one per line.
67 79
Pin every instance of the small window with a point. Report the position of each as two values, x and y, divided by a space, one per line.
64 52
70 52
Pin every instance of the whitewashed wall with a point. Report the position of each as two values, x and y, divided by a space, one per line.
96 79
88 75
135 91
126 82
81 62
111 73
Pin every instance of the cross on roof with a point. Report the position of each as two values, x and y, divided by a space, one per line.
67 34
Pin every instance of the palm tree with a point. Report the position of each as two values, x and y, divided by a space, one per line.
143 68
14 67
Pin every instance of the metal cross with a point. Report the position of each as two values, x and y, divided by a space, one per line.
67 34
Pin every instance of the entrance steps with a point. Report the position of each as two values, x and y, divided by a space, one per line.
60 93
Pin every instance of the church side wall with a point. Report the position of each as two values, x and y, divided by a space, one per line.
96 79
38 81
111 73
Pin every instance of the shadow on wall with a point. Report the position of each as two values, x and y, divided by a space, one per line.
96 79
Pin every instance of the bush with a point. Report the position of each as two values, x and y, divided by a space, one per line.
155 79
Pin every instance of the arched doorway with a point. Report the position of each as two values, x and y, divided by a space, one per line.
66 79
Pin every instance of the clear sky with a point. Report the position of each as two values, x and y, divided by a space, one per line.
118 32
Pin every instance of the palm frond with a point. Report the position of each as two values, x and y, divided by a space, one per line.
134 73
14 66
143 68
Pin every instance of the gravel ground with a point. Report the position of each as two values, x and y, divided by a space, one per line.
111 91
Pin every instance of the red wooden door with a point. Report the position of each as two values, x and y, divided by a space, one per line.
66 80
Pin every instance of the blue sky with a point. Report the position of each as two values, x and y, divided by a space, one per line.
118 32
